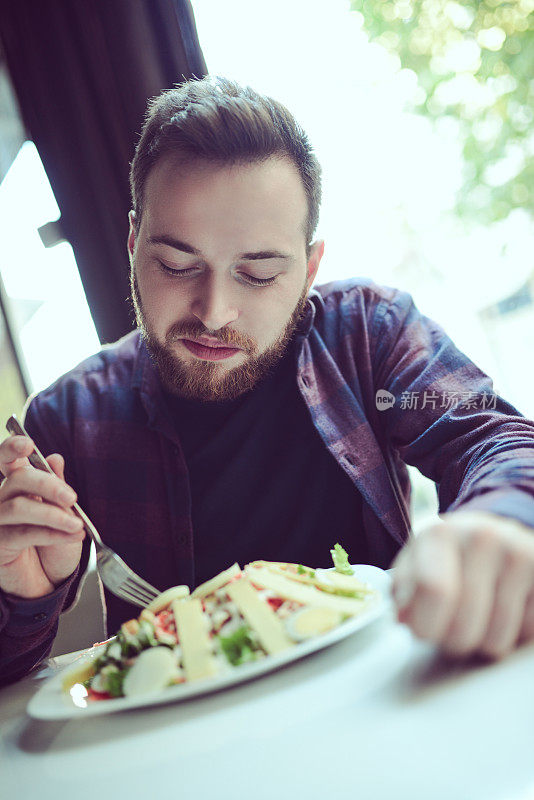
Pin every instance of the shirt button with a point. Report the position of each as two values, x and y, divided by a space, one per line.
349 460
306 381
40 617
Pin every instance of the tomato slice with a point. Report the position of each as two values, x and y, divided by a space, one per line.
92 695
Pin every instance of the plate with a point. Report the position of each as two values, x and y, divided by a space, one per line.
52 703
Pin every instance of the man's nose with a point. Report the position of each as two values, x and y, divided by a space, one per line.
213 305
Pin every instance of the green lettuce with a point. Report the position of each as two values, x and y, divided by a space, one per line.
341 560
239 647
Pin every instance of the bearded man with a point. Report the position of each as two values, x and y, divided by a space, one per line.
241 420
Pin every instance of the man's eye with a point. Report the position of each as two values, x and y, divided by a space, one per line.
180 273
188 271
258 281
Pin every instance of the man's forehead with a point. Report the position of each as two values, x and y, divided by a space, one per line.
261 200
271 173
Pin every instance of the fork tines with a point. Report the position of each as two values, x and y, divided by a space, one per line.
135 592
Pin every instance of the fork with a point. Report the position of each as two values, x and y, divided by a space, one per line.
114 572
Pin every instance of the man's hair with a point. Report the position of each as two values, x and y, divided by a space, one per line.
216 120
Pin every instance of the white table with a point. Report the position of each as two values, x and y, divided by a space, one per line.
378 716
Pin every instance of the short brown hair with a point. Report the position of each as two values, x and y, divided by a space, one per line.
219 121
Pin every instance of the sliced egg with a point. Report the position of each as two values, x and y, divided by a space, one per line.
165 598
153 670
308 622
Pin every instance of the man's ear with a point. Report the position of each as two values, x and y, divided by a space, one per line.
131 235
316 254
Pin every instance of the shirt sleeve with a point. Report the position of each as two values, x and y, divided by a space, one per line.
28 629
447 420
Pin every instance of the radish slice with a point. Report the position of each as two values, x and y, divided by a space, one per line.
154 669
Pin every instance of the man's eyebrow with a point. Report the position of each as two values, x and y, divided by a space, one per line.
177 244
264 255
170 241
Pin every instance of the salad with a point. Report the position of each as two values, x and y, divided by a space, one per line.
239 616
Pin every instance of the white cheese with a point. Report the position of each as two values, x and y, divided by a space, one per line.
194 639
260 616
219 580
306 595
336 580
165 598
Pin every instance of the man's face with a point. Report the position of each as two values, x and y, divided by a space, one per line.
219 272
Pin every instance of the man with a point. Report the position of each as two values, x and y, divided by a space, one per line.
243 422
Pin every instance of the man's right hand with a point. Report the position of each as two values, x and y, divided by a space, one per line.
40 537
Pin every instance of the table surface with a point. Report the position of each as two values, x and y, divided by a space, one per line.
379 715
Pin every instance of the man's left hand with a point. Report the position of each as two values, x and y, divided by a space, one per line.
466 583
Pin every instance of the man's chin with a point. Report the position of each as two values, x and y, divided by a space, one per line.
208 381
197 379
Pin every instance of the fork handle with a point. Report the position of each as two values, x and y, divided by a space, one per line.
38 461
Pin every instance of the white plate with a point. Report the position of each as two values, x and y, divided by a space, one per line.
50 702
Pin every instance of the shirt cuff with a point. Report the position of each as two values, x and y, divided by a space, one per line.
29 616
512 503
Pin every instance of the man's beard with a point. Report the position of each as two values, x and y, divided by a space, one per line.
202 380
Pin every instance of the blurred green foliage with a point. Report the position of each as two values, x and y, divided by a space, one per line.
474 63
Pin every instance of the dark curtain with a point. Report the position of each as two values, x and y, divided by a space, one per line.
83 71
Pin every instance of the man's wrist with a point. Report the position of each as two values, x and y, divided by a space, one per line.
514 504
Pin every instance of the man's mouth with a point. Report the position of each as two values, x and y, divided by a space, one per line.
209 349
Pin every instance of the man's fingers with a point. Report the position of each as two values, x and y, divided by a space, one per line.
427 586
57 462
481 559
26 512
14 452
526 633
508 612
17 538
468 585
36 482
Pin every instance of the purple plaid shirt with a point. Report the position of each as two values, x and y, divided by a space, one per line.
124 459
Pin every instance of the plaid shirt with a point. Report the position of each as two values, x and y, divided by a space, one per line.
123 456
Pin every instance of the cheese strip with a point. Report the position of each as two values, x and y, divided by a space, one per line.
217 582
339 581
328 580
165 598
195 642
260 616
307 595
281 568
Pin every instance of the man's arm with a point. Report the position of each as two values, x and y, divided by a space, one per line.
28 628
467 582
447 420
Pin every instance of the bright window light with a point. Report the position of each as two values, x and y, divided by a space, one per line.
389 176
45 293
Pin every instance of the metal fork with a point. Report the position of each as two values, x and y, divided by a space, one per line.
115 574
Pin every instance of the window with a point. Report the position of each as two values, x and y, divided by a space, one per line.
45 320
